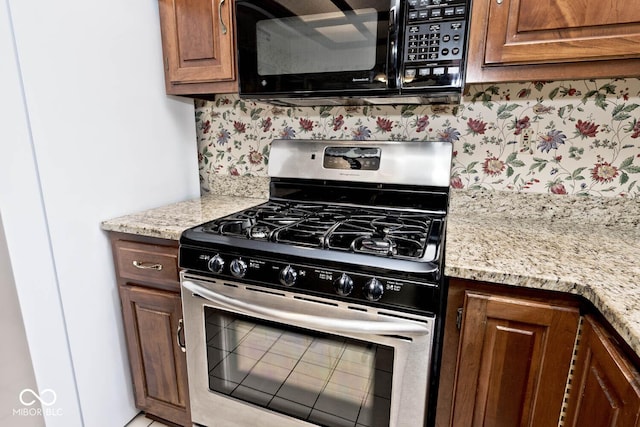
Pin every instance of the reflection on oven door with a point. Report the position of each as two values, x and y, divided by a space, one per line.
328 380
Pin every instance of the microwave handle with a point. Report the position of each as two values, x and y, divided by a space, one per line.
363 327
393 60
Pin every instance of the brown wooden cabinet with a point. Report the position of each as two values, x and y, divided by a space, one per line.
516 40
148 284
513 360
605 387
513 357
198 44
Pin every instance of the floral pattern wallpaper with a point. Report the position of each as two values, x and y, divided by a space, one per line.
568 137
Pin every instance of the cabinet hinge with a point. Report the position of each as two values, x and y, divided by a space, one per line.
459 318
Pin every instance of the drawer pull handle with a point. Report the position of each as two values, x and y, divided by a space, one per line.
147 266
180 330
224 27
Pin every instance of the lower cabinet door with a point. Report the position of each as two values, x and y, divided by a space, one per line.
513 361
153 320
606 387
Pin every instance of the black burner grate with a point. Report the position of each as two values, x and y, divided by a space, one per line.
402 235
379 232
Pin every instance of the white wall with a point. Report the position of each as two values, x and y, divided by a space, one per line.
16 370
91 137
28 241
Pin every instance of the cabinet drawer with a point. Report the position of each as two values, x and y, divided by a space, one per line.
147 263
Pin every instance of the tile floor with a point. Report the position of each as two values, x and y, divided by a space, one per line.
141 421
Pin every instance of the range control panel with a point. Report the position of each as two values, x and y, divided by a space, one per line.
353 286
435 43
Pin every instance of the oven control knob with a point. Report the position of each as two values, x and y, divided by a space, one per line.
343 284
216 264
238 268
373 289
288 276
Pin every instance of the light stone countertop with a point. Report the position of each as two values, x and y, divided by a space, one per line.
584 246
168 222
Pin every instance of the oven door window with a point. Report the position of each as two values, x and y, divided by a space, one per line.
323 379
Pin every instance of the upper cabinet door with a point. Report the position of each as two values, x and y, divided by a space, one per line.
514 40
198 41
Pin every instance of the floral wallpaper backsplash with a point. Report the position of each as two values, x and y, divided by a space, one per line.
569 137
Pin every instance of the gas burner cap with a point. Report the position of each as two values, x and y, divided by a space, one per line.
374 245
259 232
235 226
387 225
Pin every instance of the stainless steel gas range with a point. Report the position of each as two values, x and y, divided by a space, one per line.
324 305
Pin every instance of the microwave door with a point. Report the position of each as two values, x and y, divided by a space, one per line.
313 48
393 51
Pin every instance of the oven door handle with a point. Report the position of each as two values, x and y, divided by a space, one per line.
329 324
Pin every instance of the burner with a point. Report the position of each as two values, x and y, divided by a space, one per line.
387 224
259 231
236 226
374 245
392 234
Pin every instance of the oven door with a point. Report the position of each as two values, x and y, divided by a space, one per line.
277 359
319 47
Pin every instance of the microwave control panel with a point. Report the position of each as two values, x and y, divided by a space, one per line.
434 43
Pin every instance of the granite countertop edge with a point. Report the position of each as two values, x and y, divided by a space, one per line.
536 242
168 222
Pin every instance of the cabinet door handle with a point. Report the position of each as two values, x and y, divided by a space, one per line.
224 27
178 340
499 1
147 265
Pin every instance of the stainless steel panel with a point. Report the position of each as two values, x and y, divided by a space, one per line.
405 163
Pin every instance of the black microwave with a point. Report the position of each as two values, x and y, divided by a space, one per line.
331 52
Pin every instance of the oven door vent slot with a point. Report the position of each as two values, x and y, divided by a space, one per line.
264 291
316 301
396 316
200 278
231 285
358 308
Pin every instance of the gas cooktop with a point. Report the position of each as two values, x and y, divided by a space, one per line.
392 240
380 232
